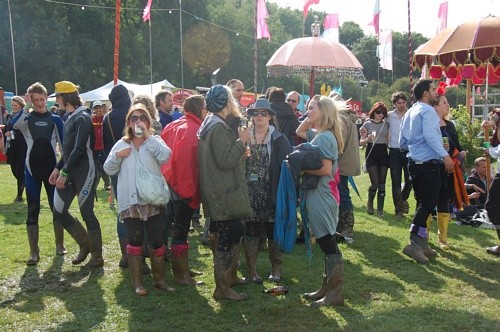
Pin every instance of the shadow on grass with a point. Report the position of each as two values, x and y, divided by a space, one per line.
14 213
36 289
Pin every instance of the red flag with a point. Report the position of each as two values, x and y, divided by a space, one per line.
331 21
307 4
443 16
146 15
262 15
376 17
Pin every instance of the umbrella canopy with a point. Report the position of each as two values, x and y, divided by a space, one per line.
301 56
473 42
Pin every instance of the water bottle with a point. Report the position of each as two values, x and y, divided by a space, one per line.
7 144
12 136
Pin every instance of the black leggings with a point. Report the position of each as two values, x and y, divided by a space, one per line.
328 244
154 228
230 232
252 229
18 172
182 219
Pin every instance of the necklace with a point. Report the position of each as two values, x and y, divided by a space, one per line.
257 148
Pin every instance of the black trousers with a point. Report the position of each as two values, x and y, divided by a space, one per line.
427 180
398 164
492 204
182 219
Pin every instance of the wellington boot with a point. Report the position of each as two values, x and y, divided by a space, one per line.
96 259
235 280
222 273
443 221
347 217
428 224
33 243
123 248
334 281
59 237
320 293
81 237
206 230
380 202
158 271
276 259
180 270
493 250
135 264
251 246
214 242
414 250
369 203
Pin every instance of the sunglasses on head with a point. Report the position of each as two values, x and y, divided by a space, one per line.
262 113
134 118
289 100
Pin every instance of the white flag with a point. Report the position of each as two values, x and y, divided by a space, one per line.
384 50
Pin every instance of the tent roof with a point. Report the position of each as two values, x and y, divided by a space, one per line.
102 93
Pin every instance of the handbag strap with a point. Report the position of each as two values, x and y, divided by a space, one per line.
111 130
378 134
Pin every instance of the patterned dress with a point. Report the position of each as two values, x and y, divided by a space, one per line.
259 184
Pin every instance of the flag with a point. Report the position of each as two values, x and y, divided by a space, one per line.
307 3
331 25
146 15
384 50
262 15
442 16
376 17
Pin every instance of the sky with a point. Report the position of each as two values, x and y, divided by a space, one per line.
394 13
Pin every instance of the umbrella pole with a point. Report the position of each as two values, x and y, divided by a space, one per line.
487 131
467 98
311 84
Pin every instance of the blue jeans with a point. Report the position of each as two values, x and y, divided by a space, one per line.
345 196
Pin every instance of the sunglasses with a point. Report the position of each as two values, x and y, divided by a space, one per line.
291 101
261 113
379 112
134 118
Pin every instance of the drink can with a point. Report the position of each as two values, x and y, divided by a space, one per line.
138 131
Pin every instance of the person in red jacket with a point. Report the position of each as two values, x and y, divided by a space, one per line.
181 174
99 155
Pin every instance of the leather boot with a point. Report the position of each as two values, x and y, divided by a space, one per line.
371 197
251 246
414 250
380 201
123 246
157 258
180 266
96 259
222 273
276 259
334 279
33 243
443 221
135 264
235 280
80 235
59 237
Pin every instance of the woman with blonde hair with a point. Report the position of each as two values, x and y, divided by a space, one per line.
153 112
151 151
321 206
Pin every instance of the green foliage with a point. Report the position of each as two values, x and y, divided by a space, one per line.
468 130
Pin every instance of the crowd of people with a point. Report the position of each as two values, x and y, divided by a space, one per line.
226 160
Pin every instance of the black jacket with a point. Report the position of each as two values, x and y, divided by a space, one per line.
286 121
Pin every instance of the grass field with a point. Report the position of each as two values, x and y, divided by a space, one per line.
384 290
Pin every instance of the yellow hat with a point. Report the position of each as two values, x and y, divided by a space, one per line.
65 87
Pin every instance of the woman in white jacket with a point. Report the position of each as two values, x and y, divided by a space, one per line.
139 144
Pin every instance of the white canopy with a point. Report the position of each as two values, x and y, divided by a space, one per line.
102 93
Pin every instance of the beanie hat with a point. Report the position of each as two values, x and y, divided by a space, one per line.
216 98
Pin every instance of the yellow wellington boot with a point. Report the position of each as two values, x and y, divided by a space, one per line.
428 225
443 221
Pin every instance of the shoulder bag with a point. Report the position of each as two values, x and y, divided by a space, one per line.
153 189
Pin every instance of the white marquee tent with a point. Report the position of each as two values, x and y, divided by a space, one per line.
102 93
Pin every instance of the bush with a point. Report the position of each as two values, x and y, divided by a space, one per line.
468 130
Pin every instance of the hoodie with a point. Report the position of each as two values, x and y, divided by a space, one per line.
286 121
114 121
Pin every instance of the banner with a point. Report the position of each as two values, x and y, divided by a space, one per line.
146 15
331 27
308 3
384 50
376 18
442 16
262 15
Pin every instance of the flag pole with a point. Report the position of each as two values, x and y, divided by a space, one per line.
182 51
12 43
116 55
410 53
255 50
150 62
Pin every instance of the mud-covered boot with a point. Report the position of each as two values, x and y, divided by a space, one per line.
235 280
222 273
334 280
251 246
96 259
59 237
33 243
276 259
80 235
320 293
180 265
134 254
414 250
123 263
157 257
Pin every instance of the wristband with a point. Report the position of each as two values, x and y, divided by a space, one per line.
63 173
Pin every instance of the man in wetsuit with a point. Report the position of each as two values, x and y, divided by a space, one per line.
42 131
75 175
